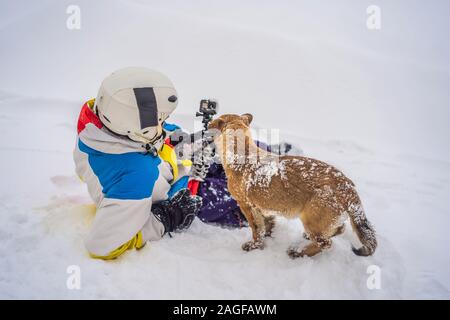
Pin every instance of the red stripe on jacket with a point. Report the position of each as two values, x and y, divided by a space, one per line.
87 116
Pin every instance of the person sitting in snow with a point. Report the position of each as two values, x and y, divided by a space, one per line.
125 153
132 174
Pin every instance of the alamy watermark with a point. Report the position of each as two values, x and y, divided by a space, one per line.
73 21
73 281
373 281
373 21
236 146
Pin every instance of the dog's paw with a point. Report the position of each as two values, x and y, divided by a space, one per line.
295 252
252 245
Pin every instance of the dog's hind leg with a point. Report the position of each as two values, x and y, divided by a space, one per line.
318 219
317 245
339 230
269 222
256 222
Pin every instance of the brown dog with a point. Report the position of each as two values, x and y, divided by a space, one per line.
264 184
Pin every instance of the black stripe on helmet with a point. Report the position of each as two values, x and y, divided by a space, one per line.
146 102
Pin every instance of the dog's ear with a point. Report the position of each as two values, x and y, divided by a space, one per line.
217 124
247 117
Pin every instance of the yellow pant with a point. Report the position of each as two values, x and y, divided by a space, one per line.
136 242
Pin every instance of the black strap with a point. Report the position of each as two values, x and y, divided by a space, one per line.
148 111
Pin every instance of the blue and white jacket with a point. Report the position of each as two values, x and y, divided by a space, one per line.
123 180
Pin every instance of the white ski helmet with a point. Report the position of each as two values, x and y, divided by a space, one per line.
135 101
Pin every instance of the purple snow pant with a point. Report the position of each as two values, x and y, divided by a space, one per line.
218 206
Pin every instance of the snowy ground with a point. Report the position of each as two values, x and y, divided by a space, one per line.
374 106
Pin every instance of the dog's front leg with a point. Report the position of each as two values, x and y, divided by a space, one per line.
256 222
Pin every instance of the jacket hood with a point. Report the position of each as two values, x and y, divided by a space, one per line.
95 135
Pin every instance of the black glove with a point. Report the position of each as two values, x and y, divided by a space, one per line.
178 212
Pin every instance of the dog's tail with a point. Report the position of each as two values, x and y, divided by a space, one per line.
364 229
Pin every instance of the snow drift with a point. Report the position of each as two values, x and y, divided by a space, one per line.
373 103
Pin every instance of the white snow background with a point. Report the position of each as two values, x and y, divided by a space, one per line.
373 103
